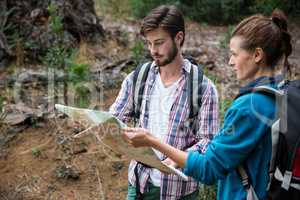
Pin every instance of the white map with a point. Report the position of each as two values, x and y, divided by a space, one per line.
107 128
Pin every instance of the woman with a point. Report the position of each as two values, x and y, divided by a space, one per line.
257 44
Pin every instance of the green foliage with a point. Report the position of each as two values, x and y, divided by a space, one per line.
56 57
35 178
82 96
78 73
224 105
56 22
207 192
266 6
36 152
138 51
57 54
209 75
141 8
214 11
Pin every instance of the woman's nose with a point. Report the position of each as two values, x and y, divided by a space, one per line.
230 62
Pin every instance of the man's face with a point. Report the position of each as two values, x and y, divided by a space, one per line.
162 46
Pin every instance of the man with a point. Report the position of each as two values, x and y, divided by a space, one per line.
165 107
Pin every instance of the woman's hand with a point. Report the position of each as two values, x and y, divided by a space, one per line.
137 137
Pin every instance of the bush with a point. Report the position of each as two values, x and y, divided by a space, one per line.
207 192
141 8
216 11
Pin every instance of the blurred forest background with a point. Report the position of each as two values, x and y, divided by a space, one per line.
77 52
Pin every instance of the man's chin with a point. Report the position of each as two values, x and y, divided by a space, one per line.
160 63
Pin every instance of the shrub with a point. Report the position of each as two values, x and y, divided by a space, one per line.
141 8
207 192
216 11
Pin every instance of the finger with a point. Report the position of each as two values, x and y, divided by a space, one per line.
128 129
125 137
166 161
129 135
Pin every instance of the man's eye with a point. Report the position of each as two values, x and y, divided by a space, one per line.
159 43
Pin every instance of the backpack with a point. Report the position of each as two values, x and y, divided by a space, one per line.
285 161
139 80
194 87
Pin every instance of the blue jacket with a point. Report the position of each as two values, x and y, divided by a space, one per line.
245 138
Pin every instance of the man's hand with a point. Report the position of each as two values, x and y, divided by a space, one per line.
137 137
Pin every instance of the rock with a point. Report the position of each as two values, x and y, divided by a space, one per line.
67 172
15 118
28 22
117 165
20 113
80 19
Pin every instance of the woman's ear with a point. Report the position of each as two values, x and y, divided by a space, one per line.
259 55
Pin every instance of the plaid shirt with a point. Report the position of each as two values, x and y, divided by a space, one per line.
179 133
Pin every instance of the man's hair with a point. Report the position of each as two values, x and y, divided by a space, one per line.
167 17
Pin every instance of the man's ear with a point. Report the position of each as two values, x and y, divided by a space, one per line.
179 37
259 55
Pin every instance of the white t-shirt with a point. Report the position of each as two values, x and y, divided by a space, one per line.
161 101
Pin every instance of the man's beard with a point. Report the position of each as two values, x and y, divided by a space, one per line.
170 56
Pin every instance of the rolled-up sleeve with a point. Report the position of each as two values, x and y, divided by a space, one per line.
122 107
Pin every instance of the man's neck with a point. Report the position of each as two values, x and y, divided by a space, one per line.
171 73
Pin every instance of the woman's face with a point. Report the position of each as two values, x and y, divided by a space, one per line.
242 61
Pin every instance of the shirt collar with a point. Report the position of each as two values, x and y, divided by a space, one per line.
264 80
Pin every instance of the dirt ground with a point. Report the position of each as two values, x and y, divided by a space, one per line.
41 161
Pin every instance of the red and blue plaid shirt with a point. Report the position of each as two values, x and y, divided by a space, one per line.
180 135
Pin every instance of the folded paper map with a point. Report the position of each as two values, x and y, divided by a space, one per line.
107 128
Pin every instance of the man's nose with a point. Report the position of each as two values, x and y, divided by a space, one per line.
153 49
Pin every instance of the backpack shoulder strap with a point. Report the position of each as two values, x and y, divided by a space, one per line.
195 89
246 182
278 95
138 86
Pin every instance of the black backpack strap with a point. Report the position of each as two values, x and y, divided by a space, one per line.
138 86
138 194
195 80
139 80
